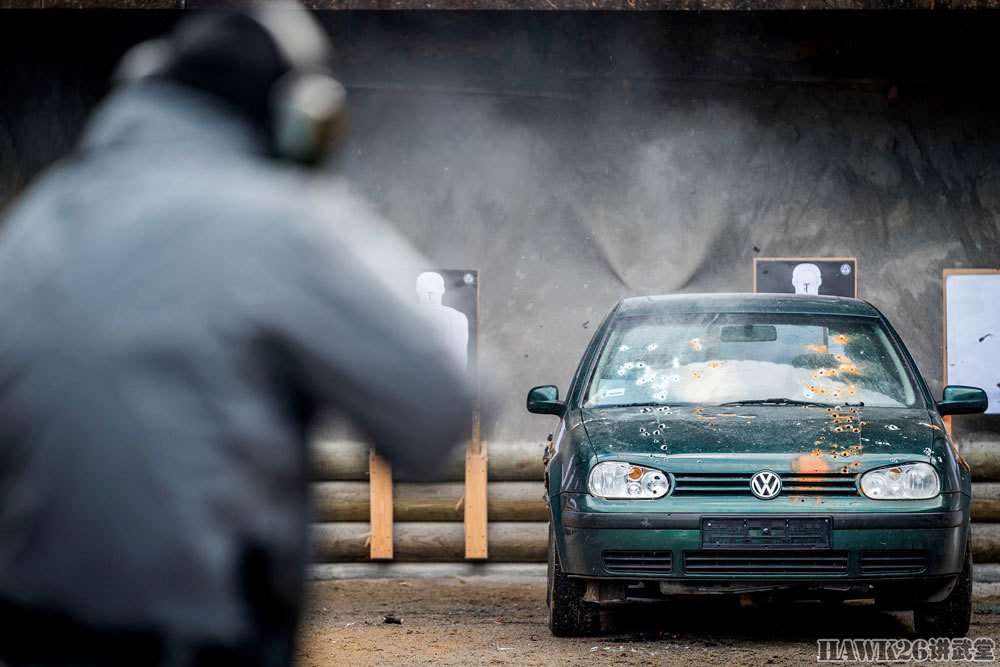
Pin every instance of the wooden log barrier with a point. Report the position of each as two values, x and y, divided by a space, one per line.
500 572
503 572
508 462
984 459
512 542
522 461
506 501
985 542
986 501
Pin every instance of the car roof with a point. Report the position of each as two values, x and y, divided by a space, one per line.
805 304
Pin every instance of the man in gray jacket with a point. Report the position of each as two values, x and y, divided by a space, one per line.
177 303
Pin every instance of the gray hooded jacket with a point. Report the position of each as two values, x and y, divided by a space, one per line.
174 310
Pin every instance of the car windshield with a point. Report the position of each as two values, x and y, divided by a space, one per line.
735 358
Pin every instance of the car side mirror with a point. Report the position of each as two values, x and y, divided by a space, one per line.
961 400
544 400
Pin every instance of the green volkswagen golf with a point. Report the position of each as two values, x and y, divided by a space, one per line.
755 444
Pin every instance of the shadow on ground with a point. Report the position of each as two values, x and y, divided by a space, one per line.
725 620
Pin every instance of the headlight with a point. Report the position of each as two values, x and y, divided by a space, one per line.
616 479
909 481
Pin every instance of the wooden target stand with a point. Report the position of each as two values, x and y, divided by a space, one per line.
474 499
380 490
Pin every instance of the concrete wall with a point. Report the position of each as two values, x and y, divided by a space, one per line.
576 159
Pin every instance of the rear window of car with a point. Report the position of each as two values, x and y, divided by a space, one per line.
721 358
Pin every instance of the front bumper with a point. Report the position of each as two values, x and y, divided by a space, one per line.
864 547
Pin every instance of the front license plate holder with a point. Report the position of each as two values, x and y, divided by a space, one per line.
767 532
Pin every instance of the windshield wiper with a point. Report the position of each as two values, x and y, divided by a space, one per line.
640 405
771 401
631 405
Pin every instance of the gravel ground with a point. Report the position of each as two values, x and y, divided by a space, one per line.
484 622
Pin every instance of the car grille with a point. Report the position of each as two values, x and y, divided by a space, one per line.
769 563
893 562
651 562
730 484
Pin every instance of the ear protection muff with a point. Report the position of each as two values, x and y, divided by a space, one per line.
142 60
308 106
308 116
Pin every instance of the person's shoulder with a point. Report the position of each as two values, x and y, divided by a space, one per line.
333 204
290 200
321 220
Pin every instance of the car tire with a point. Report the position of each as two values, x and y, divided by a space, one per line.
949 617
569 615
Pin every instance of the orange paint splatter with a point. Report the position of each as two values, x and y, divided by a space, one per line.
850 368
931 426
817 348
696 375
695 343
810 464
842 359
816 390
841 339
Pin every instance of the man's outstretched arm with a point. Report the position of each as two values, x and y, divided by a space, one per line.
357 346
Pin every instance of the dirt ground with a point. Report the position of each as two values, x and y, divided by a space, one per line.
477 622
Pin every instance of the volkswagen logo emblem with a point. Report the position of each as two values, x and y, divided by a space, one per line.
765 484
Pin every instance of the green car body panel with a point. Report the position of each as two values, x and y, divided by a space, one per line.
800 443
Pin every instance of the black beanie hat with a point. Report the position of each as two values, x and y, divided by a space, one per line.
229 55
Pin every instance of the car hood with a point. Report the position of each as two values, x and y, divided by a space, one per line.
803 439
